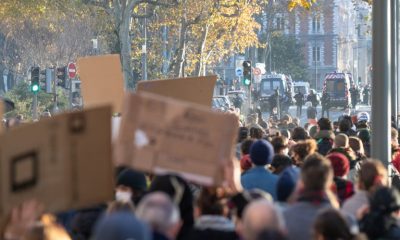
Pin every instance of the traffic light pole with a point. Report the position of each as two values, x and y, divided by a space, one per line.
70 94
55 98
34 107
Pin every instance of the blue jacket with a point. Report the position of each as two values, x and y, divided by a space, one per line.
259 177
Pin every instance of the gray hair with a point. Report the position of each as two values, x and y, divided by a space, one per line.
158 210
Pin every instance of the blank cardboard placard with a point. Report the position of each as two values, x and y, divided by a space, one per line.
101 81
194 89
63 162
159 134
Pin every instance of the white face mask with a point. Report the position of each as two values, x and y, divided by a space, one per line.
123 196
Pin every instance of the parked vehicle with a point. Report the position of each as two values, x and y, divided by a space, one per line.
269 84
303 87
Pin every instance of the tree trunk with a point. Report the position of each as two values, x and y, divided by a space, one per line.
200 51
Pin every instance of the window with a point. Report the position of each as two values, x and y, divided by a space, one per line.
316 54
280 23
316 24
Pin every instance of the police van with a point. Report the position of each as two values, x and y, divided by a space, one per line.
269 84
337 85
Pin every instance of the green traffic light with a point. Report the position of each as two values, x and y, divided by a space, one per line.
35 88
247 82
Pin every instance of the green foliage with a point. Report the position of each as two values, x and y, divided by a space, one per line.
23 97
287 55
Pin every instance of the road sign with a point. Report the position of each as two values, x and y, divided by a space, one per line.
239 72
257 71
71 70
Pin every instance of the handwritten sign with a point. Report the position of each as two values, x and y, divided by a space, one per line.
194 89
63 162
159 134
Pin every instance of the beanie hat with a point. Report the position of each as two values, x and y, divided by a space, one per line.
121 226
340 164
261 153
245 162
133 179
287 183
363 117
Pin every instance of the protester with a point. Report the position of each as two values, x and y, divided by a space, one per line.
279 163
261 154
311 113
130 186
301 150
299 97
286 184
325 136
162 215
341 145
381 222
299 134
358 148
280 144
180 193
316 176
243 134
256 133
372 174
211 216
331 224
326 104
341 167
121 225
364 135
262 220
345 126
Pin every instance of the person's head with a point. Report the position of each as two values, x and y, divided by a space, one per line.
372 175
325 124
280 144
345 125
341 140
296 121
256 133
243 134
340 164
130 185
302 149
394 137
299 134
286 184
245 146
180 193
286 133
162 215
357 145
121 226
316 173
238 202
330 224
280 162
385 200
287 118
261 153
261 217
245 163
211 201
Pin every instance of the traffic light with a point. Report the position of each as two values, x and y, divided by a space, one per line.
35 79
246 73
62 76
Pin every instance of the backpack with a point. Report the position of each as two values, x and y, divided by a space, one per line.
324 145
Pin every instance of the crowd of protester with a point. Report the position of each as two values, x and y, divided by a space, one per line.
296 182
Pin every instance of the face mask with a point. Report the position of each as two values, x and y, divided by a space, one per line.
123 196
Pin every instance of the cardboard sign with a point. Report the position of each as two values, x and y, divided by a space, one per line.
195 90
101 81
63 162
159 135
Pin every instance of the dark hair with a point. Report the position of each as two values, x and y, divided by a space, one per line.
209 201
325 124
299 133
331 224
256 133
243 134
280 162
345 125
279 143
285 133
245 147
315 172
378 222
